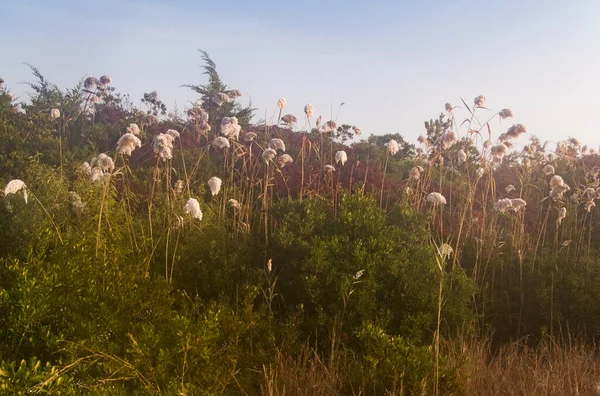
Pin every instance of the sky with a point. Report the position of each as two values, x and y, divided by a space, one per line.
393 63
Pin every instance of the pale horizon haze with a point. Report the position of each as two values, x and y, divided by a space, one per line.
393 63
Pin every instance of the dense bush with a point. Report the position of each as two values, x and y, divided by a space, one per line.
114 285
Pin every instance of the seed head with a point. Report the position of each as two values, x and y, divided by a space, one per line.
436 198
277 144
192 208
281 103
341 156
392 147
127 143
309 110
505 113
214 183
479 100
284 159
268 154
221 142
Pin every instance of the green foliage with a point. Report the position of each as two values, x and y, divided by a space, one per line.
112 287
216 86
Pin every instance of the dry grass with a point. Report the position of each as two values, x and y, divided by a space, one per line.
552 368
567 368
305 374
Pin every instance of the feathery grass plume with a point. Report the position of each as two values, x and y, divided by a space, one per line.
96 99
214 183
557 187
284 159
220 98
562 213
198 113
414 173
1 83
235 93
318 124
277 144
584 149
445 250
357 130
105 163
270 265
163 145
487 144
526 163
289 119
134 129
479 173
505 113
90 83
423 140
499 150
461 156
221 142
556 181
268 154
392 147
329 168
309 110
281 102
479 100
448 139
127 143
449 108
341 156
249 137
510 188
330 126
178 189
234 203
14 186
518 204
436 198
78 206
96 174
575 142
589 205
192 208
561 148
105 80
173 133
230 127
548 170
151 96
503 205
54 114
515 131
86 169
574 198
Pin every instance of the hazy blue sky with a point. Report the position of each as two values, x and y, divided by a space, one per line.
393 63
